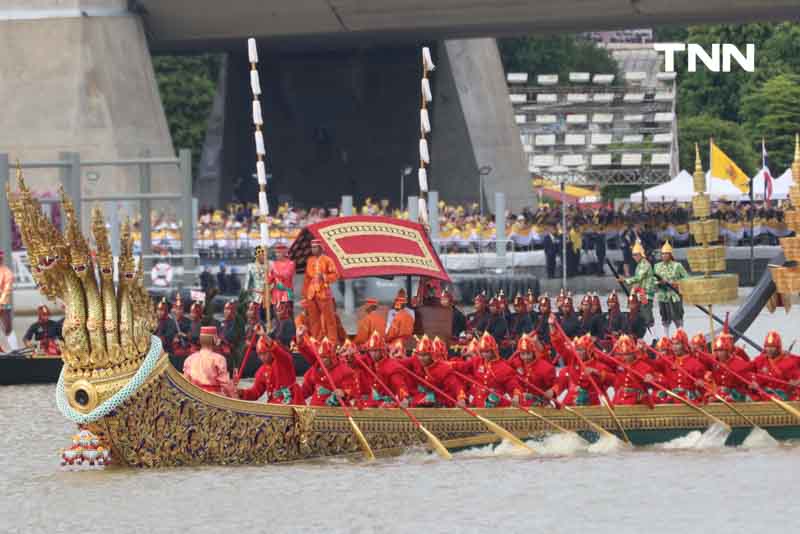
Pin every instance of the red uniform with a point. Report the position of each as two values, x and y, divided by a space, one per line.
392 374
577 377
629 388
277 379
538 372
441 374
784 367
679 375
496 375
728 386
362 380
316 383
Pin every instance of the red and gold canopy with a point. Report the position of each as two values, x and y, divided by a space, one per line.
363 246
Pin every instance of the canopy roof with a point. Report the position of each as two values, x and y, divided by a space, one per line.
363 246
681 189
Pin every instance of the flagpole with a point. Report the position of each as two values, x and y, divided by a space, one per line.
752 236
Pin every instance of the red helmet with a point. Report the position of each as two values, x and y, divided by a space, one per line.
163 306
326 349
773 340
264 345
585 342
520 304
525 344
178 302
724 341
473 347
197 306
529 298
439 349
699 341
230 305
375 341
480 298
424 345
586 300
253 306
664 345
680 336
487 343
625 345
348 347
397 348
612 298
544 302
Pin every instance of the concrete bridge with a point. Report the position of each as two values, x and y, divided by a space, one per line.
341 82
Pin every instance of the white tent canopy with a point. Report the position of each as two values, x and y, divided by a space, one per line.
780 185
681 189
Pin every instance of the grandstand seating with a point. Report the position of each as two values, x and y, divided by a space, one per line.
597 122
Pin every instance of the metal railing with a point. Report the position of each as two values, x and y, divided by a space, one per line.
71 168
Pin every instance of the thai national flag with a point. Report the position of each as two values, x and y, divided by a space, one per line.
766 173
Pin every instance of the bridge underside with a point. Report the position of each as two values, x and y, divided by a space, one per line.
315 24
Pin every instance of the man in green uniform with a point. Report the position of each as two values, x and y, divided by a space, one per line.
642 278
670 306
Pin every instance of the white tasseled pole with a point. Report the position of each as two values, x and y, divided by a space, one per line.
424 130
261 170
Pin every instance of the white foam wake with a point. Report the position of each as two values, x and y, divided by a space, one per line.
714 437
758 438
607 444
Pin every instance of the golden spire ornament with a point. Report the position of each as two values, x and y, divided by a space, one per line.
787 279
708 289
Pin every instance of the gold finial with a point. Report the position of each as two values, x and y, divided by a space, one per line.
698 165
796 162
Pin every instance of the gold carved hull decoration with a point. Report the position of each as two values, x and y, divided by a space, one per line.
169 422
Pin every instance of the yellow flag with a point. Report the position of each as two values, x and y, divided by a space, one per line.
724 168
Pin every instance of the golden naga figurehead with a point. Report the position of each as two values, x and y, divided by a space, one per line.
106 329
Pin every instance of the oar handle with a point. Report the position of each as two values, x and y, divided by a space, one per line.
777 380
439 391
389 391
678 368
539 391
246 357
616 276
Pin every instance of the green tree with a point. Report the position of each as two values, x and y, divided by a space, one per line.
560 55
732 138
773 112
187 85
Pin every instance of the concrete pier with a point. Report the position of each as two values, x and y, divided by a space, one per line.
77 77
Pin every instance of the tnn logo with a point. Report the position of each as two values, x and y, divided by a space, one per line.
746 61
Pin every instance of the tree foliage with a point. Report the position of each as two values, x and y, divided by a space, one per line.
187 85
559 54
732 138
773 111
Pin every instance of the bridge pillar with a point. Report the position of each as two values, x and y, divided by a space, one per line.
473 127
77 77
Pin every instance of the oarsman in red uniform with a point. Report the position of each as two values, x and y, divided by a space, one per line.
776 364
195 323
541 326
629 388
501 387
166 330
362 380
397 349
429 362
576 378
532 364
207 369
682 371
276 377
723 382
477 320
698 345
316 383
390 372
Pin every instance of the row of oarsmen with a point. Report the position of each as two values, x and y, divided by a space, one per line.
580 373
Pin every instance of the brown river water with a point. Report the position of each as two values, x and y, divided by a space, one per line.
692 484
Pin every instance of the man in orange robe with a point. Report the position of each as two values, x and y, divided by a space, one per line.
372 321
320 273
402 321
207 369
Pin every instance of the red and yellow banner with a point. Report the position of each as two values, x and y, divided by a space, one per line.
363 246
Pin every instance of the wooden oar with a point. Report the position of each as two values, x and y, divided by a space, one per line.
669 393
368 454
526 410
491 425
708 389
250 346
599 429
786 407
436 445
601 395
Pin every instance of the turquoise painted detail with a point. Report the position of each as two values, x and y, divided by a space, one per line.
118 398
